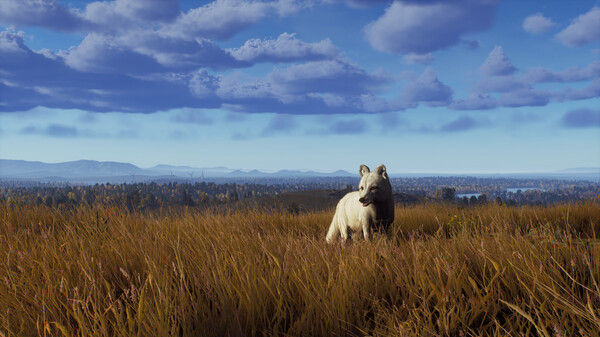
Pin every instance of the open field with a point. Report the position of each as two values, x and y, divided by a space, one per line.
442 270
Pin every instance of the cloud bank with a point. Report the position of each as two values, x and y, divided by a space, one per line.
149 56
502 87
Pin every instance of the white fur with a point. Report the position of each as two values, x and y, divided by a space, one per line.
371 206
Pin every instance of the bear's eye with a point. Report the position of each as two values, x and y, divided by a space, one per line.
373 188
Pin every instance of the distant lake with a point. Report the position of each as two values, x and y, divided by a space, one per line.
523 189
508 190
468 195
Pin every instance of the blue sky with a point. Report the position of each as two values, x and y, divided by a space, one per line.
468 86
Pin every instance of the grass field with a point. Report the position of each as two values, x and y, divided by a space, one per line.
441 271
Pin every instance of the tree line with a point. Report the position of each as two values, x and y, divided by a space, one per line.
137 196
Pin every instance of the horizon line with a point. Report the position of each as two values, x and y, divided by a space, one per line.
262 170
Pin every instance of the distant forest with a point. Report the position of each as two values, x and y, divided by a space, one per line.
138 196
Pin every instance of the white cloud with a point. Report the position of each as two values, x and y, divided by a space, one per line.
286 48
334 86
413 58
497 64
220 19
423 27
102 53
537 24
572 74
427 89
524 97
475 102
584 29
501 84
360 3
12 42
570 94
45 13
145 52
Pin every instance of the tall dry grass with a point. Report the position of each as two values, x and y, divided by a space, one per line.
442 270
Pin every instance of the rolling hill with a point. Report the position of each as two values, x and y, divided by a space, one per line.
88 170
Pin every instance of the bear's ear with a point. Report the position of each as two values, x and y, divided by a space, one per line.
381 170
363 169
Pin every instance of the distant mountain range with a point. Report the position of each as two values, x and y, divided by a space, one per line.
84 170
288 173
73 169
91 171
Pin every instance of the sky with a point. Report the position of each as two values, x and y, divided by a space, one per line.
429 86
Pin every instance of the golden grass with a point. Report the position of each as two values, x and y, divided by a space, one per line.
489 270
